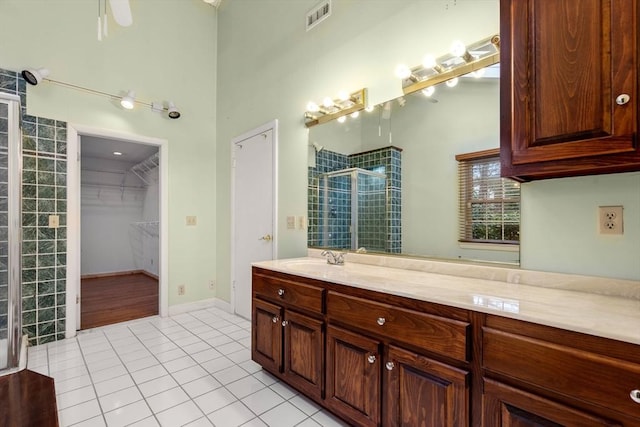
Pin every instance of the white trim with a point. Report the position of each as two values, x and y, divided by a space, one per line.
499 247
192 306
269 126
74 131
223 305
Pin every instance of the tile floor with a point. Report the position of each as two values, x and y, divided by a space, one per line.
192 369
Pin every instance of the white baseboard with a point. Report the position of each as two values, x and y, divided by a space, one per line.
200 305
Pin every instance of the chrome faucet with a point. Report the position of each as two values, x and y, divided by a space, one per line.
333 258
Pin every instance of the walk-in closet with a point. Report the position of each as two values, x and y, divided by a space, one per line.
119 231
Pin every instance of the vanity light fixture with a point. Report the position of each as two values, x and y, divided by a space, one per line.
461 60
330 109
128 101
34 76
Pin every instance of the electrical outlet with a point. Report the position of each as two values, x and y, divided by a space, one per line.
610 220
191 220
181 290
291 222
212 285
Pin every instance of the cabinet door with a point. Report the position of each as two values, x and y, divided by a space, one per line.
505 406
353 376
266 337
424 392
564 64
303 353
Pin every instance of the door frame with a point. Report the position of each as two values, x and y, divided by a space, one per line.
74 132
269 126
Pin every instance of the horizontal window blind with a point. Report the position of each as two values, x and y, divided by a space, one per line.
489 206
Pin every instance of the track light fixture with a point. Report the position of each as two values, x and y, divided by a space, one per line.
173 112
34 76
128 101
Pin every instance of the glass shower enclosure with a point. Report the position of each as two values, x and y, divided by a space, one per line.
10 233
353 209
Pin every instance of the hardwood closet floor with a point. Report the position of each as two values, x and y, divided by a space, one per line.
117 298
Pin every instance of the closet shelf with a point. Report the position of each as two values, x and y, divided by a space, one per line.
142 169
151 228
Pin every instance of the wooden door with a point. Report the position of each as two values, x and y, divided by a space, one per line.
353 376
266 336
304 353
563 65
423 392
505 406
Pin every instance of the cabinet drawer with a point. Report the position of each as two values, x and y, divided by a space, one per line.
288 293
433 333
579 374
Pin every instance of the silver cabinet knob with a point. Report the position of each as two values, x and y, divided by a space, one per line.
389 366
381 321
371 358
623 99
285 322
275 319
280 292
635 395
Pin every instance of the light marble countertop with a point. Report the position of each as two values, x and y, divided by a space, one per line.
602 307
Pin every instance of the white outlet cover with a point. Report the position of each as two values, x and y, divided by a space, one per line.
610 220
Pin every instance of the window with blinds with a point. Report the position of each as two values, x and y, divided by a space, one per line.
489 206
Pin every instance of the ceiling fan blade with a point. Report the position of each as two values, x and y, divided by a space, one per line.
121 12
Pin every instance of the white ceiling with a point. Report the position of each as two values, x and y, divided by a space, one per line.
102 148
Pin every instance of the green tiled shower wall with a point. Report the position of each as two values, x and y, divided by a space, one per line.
44 193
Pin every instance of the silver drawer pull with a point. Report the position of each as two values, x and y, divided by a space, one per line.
371 358
285 322
389 366
381 321
275 319
635 395
280 292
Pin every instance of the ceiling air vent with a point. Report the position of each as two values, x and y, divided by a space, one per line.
318 14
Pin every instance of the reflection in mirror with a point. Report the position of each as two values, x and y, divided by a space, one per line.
413 141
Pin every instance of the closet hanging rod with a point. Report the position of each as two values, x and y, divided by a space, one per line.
114 186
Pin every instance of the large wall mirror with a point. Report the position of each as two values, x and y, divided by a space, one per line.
416 138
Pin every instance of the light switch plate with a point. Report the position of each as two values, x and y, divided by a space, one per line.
191 220
291 223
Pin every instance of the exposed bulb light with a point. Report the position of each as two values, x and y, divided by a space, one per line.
428 91
342 119
35 76
478 73
452 83
172 111
403 72
117 153
370 108
343 95
312 107
459 49
128 101
327 102
355 114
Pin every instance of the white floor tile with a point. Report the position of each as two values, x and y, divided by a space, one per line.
201 422
218 364
206 355
245 386
145 362
283 415
75 397
158 385
63 365
179 364
77 413
187 375
196 347
119 399
265 377
167 399
309 422
148 374
179 415
135 355
229 348
305 405
103 364
92 422
69 373
128 414
240 356
246 342
201 386
326 419
263 400
239 334
108 373
147 422
101 355
215 400
191 339
233 415
283 390
62 386
250 366
256 422
215 342
169 355
114 384
230 374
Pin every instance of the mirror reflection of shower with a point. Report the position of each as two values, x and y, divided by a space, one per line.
353 209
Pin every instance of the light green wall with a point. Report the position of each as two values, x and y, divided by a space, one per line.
168 53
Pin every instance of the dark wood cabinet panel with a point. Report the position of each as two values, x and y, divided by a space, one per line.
288 293
505 406
563 66
304 353
266 335
424 392
353 376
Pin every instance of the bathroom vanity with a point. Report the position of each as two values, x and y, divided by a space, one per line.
449 344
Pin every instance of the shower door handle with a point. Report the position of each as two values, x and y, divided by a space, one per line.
266 238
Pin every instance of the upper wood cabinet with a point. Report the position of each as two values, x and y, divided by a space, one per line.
569 87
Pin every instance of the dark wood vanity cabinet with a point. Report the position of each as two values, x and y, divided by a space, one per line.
569 87
376 359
